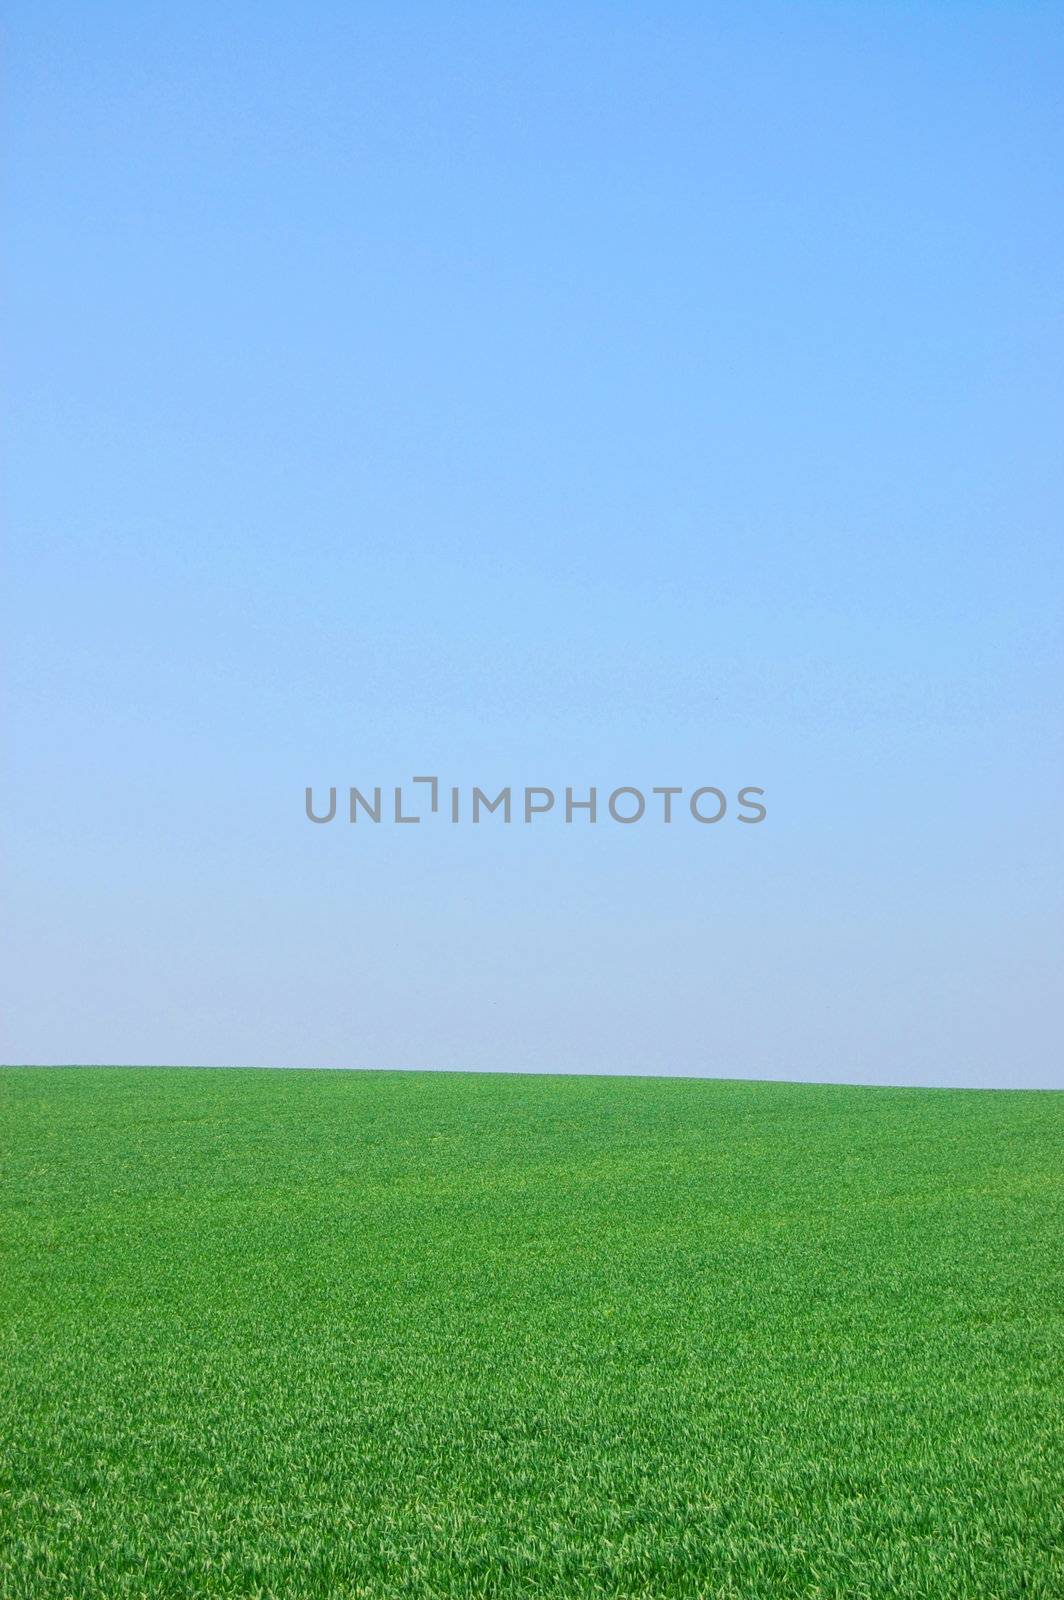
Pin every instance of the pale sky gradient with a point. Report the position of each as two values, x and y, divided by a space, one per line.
561 394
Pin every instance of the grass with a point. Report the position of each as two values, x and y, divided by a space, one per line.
293 1335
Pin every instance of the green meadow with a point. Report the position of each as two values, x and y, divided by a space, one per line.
323 1334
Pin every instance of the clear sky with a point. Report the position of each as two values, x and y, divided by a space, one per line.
559 394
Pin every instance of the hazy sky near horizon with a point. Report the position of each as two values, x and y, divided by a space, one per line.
571 394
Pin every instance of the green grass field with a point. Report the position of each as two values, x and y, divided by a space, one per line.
302 1334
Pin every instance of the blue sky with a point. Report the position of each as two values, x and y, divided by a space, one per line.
570 394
